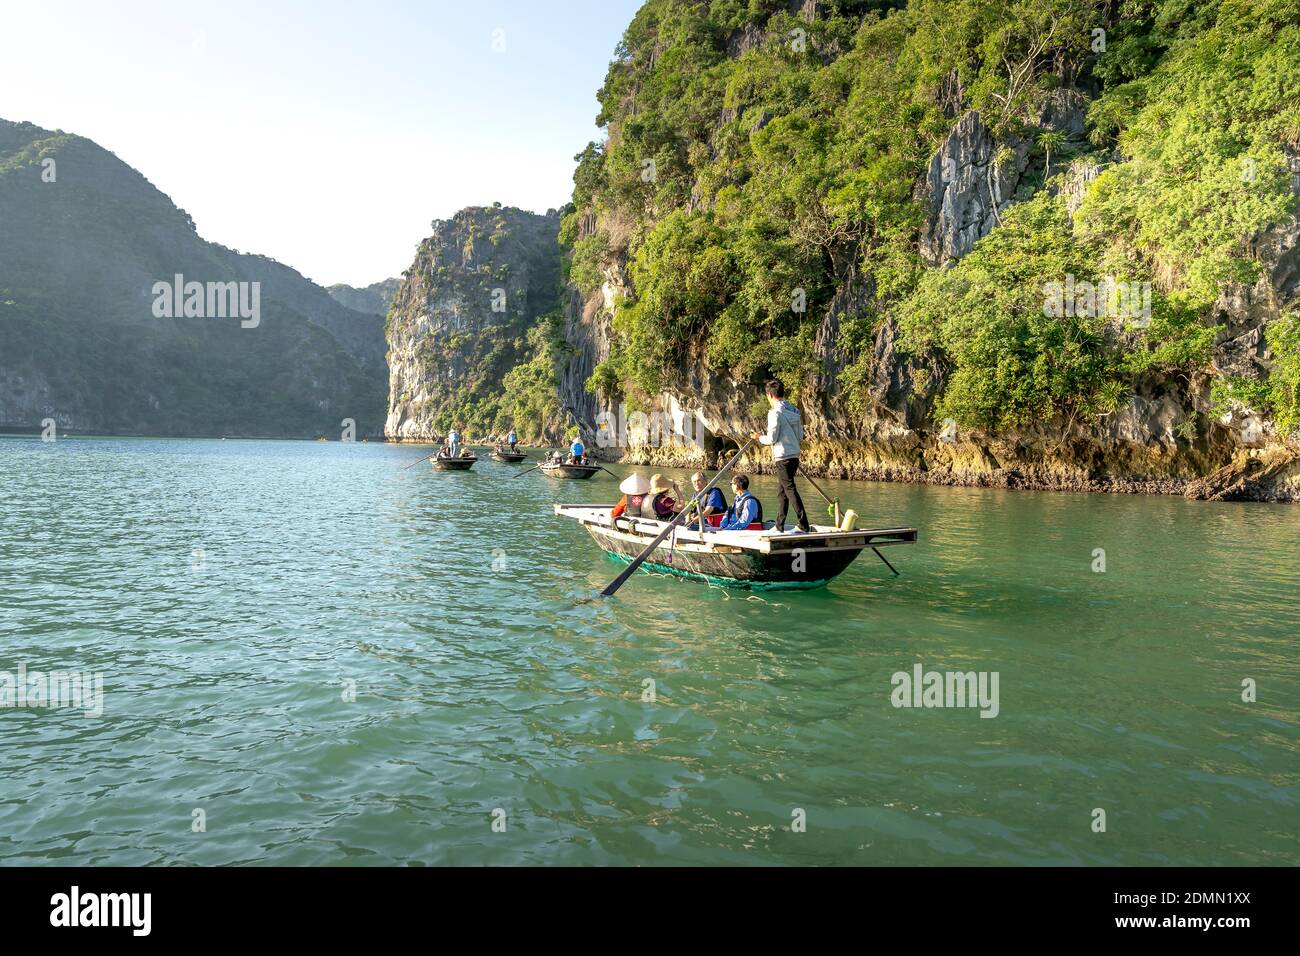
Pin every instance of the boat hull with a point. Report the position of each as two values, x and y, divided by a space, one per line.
756 559
511 457
453 464
734 569
576 472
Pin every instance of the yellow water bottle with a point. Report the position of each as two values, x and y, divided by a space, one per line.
850 520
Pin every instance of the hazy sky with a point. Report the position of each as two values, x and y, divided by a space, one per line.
324 134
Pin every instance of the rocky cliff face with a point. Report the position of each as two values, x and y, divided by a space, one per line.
1166 437
968 184
83 241
1159 442
460 319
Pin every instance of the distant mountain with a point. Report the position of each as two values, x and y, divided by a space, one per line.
92 337
374 299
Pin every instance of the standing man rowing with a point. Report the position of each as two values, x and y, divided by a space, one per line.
784 432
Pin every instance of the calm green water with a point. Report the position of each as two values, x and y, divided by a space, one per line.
489 675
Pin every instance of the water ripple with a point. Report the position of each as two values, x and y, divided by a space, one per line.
235 593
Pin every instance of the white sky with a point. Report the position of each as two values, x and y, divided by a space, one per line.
324 134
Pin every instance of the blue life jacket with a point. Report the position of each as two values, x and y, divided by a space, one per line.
733 513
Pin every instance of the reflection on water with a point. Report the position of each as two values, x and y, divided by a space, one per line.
232 592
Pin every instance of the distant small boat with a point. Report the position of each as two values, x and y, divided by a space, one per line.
459 463
503 453
757 559
559 469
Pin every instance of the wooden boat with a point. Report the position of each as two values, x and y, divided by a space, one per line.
758 559
558 469
503 453
459 463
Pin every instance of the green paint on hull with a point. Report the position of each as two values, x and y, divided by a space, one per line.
723 582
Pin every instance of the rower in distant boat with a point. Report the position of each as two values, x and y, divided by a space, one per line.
512 440
745 510
577 453
635 487
453 443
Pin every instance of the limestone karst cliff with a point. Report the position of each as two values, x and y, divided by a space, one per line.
880 202
461 319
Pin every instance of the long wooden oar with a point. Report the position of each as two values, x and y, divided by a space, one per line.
837 523
526 471
640 558
834 504
425 458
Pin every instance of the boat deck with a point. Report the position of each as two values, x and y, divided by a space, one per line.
766 541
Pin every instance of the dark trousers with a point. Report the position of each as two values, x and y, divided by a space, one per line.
785 469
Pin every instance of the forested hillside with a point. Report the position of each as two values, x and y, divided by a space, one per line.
84 238
1047 243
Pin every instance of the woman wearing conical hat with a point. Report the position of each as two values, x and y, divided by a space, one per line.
633 504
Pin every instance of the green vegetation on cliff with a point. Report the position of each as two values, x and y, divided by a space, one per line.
530 404
759 163
1277 394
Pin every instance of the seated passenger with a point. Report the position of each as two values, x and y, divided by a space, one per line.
633 503
713 504
745 510
667 498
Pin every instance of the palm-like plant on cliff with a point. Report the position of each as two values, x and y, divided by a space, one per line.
1048 141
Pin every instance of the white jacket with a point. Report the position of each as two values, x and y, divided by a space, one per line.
784 431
